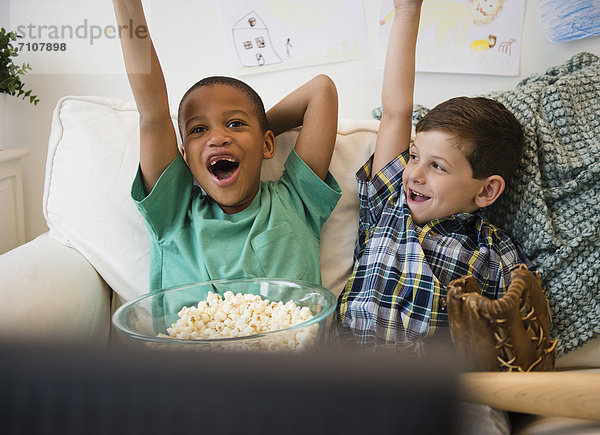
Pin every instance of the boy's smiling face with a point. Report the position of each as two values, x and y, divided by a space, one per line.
438 179
224 144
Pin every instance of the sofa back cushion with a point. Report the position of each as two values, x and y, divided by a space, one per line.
93 156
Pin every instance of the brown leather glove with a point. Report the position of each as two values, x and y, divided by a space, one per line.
507 334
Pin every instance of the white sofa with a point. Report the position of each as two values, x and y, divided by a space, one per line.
65 283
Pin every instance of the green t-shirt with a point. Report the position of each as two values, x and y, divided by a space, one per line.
277 235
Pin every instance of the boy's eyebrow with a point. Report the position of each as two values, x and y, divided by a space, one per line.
433 157
236 112
190 120
447 162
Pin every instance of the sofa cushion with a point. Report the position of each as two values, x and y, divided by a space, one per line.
93 157
50 292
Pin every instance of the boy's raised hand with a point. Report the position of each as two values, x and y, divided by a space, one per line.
393 136
158 141
314 106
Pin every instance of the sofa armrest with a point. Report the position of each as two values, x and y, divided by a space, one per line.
49 291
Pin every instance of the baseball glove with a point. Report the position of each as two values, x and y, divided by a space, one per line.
507 334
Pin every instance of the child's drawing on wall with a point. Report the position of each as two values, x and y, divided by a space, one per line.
253 43
566 20
467 36
278 34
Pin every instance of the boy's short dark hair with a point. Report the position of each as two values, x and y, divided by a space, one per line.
254 98
487 133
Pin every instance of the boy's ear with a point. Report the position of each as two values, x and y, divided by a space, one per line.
269 145
182 151
490 191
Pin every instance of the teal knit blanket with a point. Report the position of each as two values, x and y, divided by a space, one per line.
552 205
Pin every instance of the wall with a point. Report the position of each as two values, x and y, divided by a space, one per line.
192 49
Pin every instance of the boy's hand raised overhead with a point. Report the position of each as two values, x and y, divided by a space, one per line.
158 141
394 132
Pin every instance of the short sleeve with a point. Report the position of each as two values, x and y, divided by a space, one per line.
165 207
376 191
309 195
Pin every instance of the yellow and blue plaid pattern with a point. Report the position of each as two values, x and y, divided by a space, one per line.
398 285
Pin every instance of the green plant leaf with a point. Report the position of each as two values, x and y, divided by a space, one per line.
10 73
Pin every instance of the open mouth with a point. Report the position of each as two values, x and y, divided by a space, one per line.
416 196
223 167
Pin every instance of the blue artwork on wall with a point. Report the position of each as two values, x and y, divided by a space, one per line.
566 20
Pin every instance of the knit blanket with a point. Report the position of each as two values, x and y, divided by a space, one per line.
552 205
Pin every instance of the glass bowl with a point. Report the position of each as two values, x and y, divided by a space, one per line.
146 318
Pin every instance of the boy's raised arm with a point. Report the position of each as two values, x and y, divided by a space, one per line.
394 132
314 106
158 141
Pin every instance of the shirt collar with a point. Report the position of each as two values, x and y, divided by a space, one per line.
457 223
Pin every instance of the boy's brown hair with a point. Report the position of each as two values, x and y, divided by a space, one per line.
486 132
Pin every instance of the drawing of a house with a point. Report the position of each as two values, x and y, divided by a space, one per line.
253 43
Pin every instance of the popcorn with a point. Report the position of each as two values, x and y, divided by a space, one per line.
241 315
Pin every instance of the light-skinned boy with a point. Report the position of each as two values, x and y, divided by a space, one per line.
234 226
421 224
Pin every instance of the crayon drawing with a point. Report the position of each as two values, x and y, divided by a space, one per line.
268 35
566 20
463 36
253 42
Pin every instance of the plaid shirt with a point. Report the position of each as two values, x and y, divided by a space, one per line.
397 289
